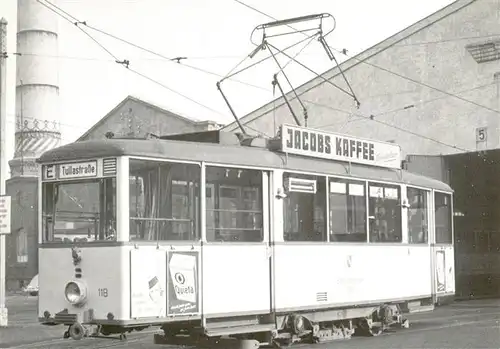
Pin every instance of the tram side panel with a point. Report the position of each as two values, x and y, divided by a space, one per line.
444 272
165 282
83 285
323 276
236 279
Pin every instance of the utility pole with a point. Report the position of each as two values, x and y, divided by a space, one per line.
4 211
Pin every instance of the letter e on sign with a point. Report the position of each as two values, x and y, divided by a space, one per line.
5 215
481 134
49 172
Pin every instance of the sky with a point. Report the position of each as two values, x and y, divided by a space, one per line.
213 35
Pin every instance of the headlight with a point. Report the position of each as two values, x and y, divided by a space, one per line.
75 292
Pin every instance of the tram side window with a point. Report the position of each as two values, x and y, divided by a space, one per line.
418 218
384 212
304 208
79 211
233 205
443 217
164 201
347 211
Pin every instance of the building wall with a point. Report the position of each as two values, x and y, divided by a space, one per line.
21 267
139 119
436 56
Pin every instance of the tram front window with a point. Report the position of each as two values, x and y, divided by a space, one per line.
79 211
164 201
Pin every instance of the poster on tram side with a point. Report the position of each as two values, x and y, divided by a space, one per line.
440 272
183 283
148 285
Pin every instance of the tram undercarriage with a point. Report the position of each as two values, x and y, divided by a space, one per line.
313 327
280 330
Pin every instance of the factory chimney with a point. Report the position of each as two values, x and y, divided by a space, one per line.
37 90
37 130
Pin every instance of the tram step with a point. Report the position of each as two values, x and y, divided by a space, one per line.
225 331
421 309
416 307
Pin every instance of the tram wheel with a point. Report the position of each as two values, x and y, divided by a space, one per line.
76 331
367 328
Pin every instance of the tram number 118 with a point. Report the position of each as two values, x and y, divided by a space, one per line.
103 292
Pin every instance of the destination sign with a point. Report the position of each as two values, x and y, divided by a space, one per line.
78 170
327 145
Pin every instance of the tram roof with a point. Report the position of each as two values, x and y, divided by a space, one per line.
230 155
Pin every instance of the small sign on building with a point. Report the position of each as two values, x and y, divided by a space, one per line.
481 134
5 211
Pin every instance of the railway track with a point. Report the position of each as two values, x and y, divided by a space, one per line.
88 342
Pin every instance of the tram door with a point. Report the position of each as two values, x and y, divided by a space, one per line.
236 255
443 251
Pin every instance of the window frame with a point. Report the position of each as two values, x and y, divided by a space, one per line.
265 175
402 193
101 182
159 161
430 200
348 181
452 227
319 177
22 239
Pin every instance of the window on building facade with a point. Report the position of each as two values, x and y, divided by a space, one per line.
485 51
22 246
347 211
304 208
384 212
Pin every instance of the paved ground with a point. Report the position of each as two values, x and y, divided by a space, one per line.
473 324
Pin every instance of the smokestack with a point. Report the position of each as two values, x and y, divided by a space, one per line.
37 87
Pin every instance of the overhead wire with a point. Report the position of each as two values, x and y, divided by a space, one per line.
406 107
125 63
163 57
312 71
166 58
299 52
376 66
362 117
228 76
260 87
394 73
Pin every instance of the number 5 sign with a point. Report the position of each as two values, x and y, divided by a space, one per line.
481 134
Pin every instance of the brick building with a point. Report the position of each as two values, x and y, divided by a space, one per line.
138 118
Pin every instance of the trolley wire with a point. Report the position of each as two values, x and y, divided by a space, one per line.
126 63
406 107
78 22
372 117
378 67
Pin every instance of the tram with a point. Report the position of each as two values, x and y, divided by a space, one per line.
310 236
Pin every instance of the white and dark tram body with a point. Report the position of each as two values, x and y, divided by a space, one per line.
290 239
